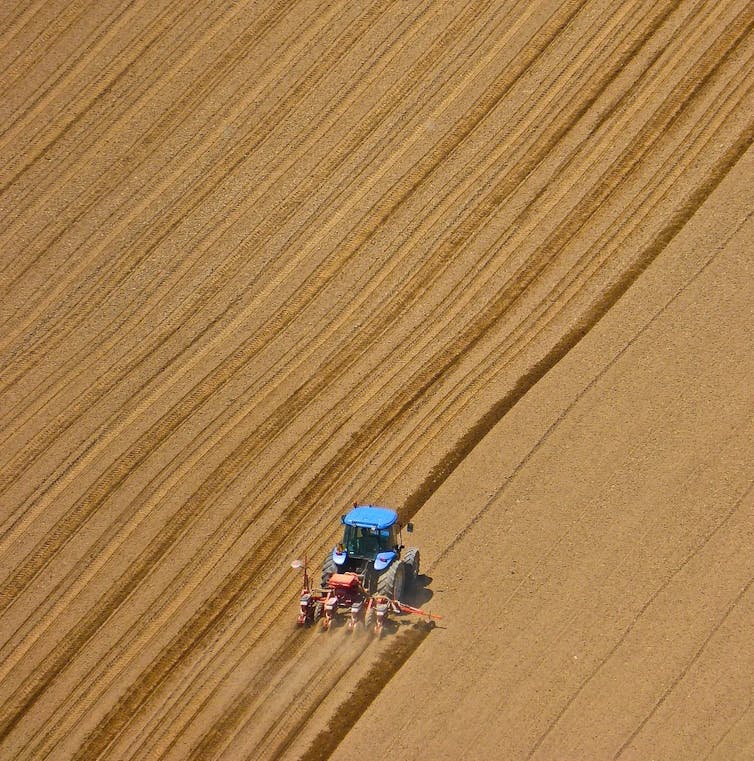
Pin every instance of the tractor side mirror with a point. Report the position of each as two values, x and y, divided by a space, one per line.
409 527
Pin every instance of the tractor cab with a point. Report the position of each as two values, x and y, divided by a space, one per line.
371 540
368 541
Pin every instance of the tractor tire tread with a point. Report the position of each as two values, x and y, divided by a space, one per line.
328 569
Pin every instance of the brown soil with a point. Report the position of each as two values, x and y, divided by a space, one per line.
488 263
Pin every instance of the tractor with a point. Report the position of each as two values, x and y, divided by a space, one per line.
372 548
365 576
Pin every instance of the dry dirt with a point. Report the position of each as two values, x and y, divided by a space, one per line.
489 263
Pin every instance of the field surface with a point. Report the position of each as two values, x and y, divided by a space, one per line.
488 263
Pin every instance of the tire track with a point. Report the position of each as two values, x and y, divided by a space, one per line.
659 243
47 207
285 317
247 150
201 187
36 48
173 330
748 489
117 330
144 454
267 620
671 579
679 678
41 98
29 10
593 259
733 725
145 146
523 232
339 660
51 26
223 282
446 466
264 23
366 690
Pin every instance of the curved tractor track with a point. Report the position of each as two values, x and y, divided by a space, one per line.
263 259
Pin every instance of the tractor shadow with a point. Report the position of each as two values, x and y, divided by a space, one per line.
420 593
419 596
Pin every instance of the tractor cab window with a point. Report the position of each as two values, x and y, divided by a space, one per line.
366 542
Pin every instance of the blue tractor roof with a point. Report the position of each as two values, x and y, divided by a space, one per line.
371 517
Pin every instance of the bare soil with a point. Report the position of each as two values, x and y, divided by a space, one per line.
487 263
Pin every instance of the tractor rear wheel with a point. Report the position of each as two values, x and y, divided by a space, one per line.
411 561
392 581
328 569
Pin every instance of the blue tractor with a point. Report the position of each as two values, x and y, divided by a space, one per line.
372 547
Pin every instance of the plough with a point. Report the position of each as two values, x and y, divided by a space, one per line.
345 597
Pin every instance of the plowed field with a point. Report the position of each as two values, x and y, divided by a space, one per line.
488 263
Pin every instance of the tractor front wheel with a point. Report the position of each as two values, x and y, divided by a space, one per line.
392 581
316 613
369 618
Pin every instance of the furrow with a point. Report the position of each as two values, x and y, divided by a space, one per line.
294 307
41 46
121 474
105 35
44 439
191 198
223 609
603 249
144 402
597 255
411 288
19 21
298 353
145 148
232 467
251 143
226 274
